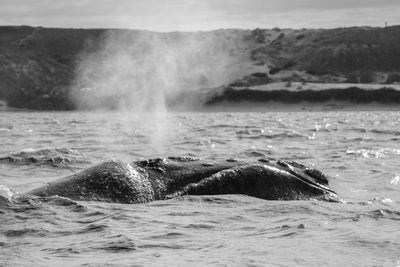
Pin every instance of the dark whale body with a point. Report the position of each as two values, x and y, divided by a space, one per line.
165 178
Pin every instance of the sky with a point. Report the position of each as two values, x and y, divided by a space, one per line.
194 15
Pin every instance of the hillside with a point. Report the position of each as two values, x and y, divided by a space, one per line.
63 69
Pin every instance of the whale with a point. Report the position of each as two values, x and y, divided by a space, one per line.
166 178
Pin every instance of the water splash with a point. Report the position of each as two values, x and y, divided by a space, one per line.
140 71
395 179
144 74
367 153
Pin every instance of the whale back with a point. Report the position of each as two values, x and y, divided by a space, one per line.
161 178
267 181
172 173
112 181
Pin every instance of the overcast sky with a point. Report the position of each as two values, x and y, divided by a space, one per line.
193 15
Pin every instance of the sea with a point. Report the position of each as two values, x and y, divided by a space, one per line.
359 151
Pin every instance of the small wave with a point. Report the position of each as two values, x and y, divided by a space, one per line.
7 197
62 251
358 130
118 247
200 226
381 200
250 131
280 231
356 140
374 153
4 130
21 203
383 214
218 200
51 121
26 232
255 154
326 128
171 235
95 228
4 202
76 122
6 192
6 127
395 179
161 246
376 131
239 218
182 213
225 126
285 135
367 153
64 202
54 157
383 131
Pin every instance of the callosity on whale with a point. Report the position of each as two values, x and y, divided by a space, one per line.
165 178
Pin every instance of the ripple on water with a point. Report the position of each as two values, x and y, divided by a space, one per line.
26 232
284 135
162 246
186 213
200 226
117 244
171 235
367 153
256 153
52 157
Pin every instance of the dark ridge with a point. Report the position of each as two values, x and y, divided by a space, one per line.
257 78
351 94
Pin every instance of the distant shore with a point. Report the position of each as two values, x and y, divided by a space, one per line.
273 106
52 68
306 97
298 86
274 97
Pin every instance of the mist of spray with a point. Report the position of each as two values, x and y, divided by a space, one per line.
138 71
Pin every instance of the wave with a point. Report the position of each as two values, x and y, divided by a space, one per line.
6 127
255 153
385 131
5 196
53 157
285 135
20 203
351 94
389 214
250 131
373 153
9 200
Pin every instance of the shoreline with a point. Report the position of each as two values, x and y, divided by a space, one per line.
274 106
247 106
315 86
273 97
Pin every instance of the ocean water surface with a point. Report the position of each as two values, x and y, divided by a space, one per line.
360 151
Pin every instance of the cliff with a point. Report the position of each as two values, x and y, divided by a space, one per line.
39 66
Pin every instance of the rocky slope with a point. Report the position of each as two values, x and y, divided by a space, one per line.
39 66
